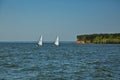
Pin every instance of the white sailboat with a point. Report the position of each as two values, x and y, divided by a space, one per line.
40 41
57 41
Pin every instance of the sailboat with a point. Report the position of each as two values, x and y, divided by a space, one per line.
40 41
57 41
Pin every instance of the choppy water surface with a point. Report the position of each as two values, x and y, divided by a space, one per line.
69 61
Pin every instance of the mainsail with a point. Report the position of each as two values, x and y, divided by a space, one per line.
57 41
40 41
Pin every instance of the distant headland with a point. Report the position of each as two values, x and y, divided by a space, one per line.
113 38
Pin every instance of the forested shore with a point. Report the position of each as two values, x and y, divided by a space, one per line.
99 38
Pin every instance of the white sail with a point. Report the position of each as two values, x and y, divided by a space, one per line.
57 41
40 41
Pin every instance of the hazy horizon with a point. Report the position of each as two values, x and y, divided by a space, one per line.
23 20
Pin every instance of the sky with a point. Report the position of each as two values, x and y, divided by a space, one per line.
26 20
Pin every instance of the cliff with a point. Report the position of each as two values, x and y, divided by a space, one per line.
99 38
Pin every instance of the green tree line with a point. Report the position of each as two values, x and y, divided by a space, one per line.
100 38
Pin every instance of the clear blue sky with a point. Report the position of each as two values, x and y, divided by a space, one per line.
26 20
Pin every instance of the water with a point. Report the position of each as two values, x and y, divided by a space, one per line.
69 61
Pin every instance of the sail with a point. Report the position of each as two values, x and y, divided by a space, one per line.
57 41
40 41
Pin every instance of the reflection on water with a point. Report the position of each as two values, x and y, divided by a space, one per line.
69 61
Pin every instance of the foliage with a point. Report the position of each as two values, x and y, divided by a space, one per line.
100 38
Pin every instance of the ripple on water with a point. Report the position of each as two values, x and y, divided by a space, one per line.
10 65
65 62
33 68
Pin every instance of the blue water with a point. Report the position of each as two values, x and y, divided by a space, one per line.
69 61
